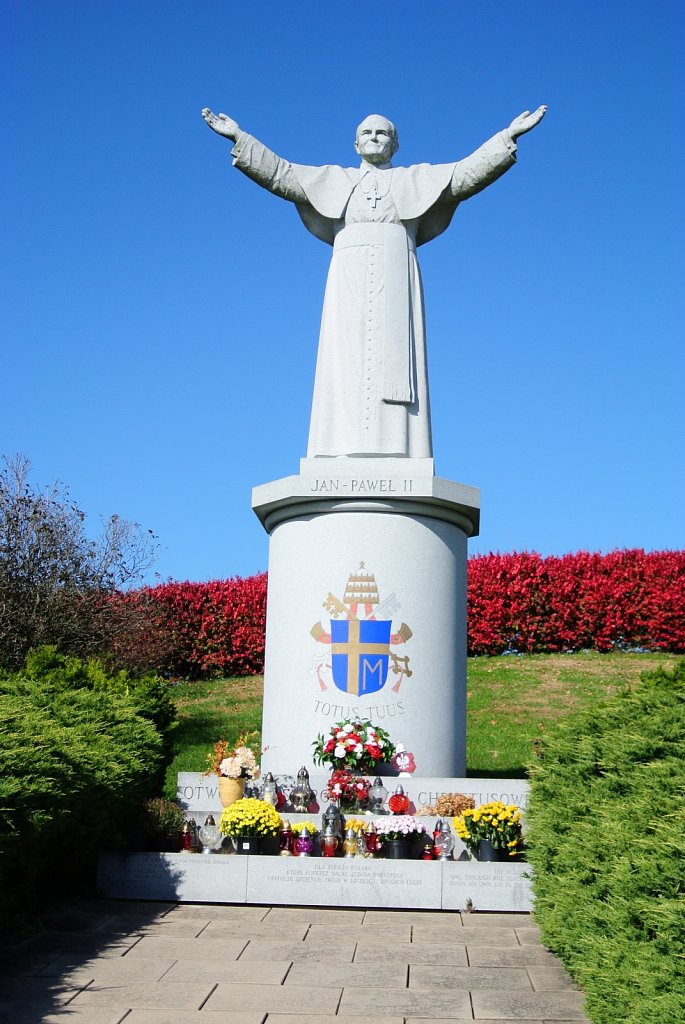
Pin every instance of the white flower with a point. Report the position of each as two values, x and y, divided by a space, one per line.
340 735
339 751
358 748
399 748
348 728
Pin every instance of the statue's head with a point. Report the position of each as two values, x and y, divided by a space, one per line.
376 140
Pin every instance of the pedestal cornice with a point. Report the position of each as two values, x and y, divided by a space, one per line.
373 487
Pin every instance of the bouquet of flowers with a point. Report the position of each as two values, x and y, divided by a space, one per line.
400 826
498 822
348 789
358 824
239 763
250 817
308 827
358 745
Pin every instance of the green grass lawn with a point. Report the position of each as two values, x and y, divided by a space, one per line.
511 701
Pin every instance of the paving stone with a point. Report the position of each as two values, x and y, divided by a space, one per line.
44 990
436 953
497 920
24 964
71 1016
526 936
131 921
472 936
218 912
550 979
389 918
341 951
427 976
317 1018
408 1002
90 943
160 996
509 956
78 971
266 972
292 999
75 919
189 949
324 934
318 915
139 1016
135 908
189 928
356 974
291 931
535 1005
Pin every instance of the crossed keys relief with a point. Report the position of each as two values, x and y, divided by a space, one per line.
359 639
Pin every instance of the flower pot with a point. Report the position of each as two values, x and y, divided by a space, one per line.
397 849
488 852
247 844
230 790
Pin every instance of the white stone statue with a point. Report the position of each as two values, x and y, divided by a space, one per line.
371 386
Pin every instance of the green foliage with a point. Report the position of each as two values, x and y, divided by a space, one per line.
159 825
79 752
607 840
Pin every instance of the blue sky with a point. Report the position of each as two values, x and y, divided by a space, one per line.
160 312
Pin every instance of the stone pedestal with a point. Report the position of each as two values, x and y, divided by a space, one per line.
366 612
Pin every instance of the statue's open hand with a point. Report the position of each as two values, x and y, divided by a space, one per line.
221 124
525 121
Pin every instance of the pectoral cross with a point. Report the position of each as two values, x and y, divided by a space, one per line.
373 197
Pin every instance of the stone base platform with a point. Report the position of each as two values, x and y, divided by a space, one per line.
315 881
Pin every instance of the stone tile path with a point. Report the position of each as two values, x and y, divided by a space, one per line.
110 962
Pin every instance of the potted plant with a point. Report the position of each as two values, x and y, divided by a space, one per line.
398 834
491 831
354 744
159 823
233 767
248 821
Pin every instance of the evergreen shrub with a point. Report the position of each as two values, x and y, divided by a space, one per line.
79 752
606 836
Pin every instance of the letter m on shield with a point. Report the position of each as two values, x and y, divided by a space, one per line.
360 654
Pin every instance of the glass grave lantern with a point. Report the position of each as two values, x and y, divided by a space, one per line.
210 836
302 794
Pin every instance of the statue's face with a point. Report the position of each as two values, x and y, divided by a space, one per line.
376 139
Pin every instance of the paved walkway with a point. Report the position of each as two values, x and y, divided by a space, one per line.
165 963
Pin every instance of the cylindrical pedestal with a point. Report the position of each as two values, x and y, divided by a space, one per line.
366 616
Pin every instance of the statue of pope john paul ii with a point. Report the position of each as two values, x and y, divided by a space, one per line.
371 385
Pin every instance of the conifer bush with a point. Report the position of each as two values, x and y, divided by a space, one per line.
606 836
79 752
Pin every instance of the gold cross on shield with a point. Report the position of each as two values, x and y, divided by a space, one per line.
354 648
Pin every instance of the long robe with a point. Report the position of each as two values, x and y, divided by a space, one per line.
371 384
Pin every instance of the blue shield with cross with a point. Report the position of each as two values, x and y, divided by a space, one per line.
360 651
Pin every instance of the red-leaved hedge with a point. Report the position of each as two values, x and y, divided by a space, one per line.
517 602
524 602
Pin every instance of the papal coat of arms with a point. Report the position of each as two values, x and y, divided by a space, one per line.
360 639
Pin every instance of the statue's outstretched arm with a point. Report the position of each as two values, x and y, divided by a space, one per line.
493 158
256 160
222 124
525 122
